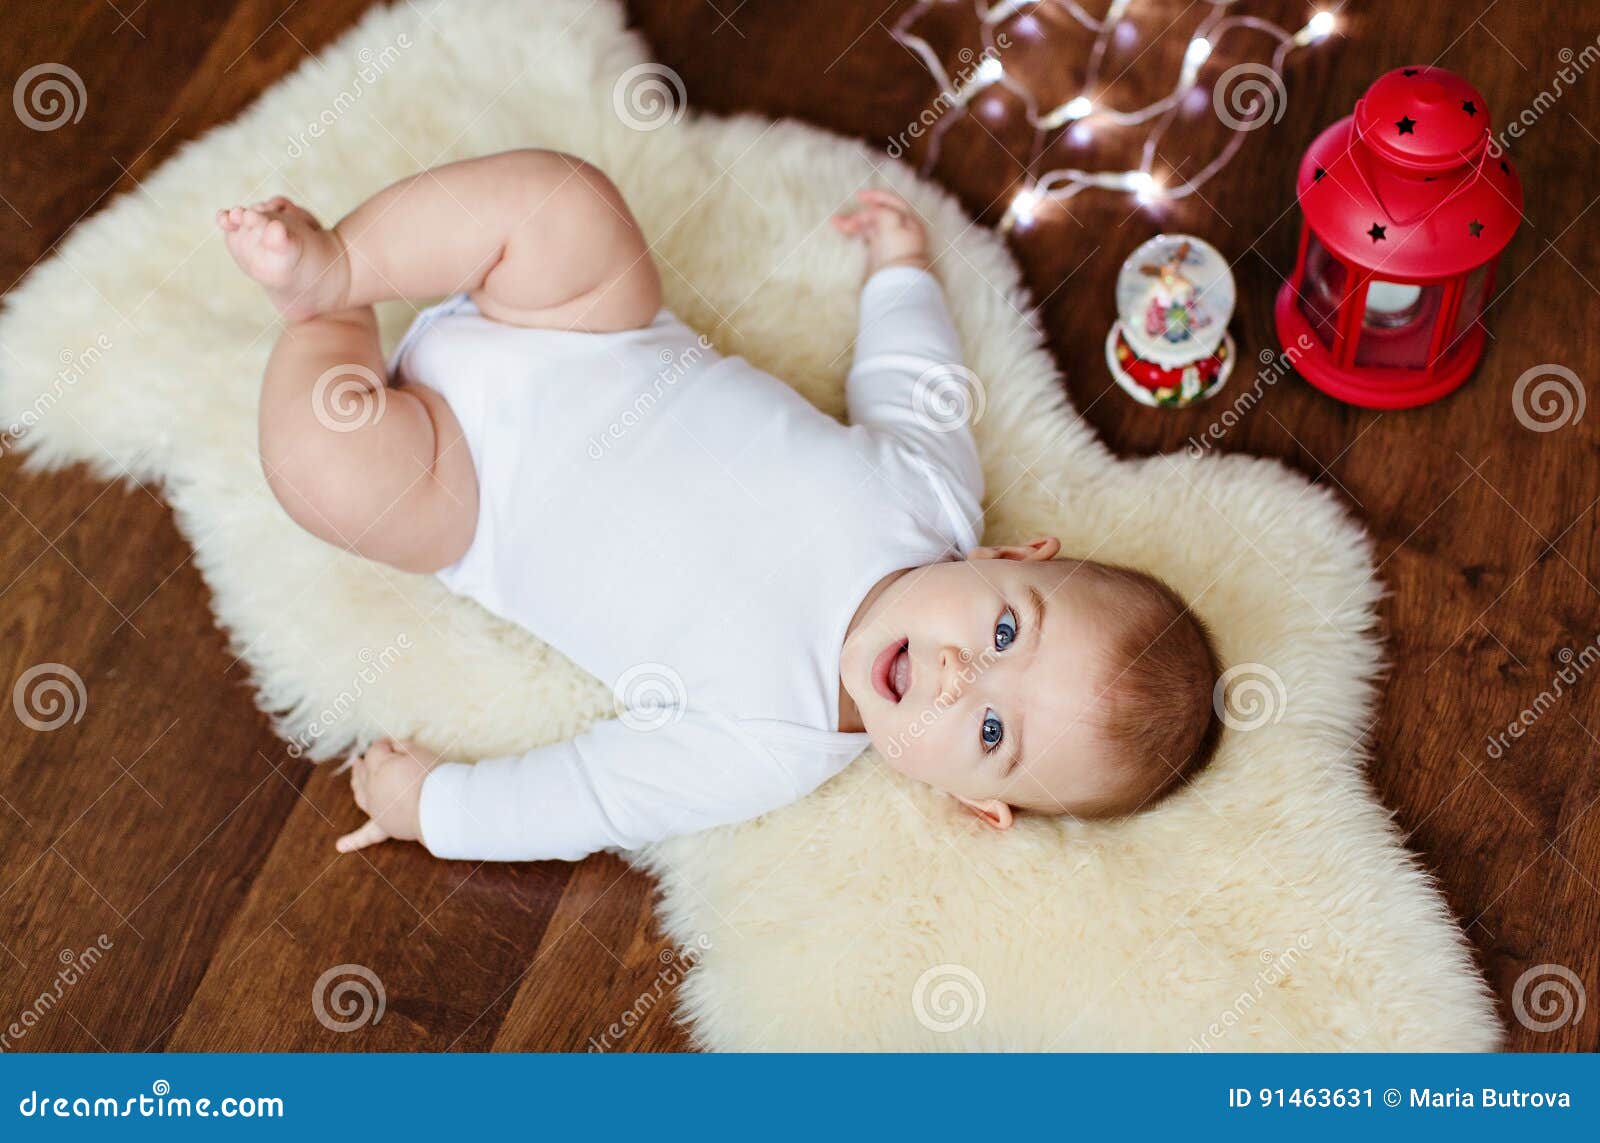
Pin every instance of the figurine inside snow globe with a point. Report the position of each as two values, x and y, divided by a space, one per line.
1170 344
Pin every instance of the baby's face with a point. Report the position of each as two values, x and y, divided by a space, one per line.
980 676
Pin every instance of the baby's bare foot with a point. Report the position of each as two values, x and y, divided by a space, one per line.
299 263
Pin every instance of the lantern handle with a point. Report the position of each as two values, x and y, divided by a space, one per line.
1461 188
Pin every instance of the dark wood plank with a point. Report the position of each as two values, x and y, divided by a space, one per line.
444 941
139 820
603 978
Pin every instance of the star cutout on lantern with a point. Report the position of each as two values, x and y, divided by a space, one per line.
1475 228
1316 176
1409 71
1376 233
1406 125
1469 107
1504 169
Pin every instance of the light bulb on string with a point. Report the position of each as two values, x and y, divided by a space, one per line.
1318 28
985 75
1079 107
1021 210
1197 52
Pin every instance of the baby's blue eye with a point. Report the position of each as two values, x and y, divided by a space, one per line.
993 731
1005 631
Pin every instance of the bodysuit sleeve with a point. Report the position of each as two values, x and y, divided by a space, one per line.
614 786
908 381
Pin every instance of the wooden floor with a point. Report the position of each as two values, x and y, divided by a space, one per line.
169 831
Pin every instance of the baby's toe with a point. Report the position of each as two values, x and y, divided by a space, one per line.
275 234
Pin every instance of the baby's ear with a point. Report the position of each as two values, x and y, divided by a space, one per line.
1042 548
992 812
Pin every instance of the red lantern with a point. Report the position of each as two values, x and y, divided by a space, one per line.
1407 205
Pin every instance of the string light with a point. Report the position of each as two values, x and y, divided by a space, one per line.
1320 28
1198 51
1146 187
1078 112
1079 107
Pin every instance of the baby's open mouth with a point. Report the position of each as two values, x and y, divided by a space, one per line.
891 670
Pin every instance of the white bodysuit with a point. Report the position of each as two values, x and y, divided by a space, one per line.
694 533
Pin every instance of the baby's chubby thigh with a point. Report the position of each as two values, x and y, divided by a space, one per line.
360 462
452 467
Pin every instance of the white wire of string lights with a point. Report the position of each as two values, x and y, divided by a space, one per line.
1245 97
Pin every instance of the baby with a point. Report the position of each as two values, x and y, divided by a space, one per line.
768 590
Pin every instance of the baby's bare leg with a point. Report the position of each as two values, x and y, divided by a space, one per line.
379 470
537 238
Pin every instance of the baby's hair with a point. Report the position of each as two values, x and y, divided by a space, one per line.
1161 668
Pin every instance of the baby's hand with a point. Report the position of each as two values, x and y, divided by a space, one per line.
890 228
387 781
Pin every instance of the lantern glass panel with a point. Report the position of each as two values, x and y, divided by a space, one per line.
1322 287
1397 325
1474 297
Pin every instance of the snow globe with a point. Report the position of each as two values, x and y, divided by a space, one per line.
1170 345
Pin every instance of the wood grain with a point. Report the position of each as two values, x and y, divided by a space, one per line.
169 822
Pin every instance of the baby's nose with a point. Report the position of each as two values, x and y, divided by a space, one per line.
951 661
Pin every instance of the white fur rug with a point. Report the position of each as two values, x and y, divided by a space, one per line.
1272 906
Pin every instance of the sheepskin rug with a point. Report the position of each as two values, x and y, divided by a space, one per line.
1270 906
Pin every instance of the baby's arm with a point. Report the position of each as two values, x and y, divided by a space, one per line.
908 380
612 786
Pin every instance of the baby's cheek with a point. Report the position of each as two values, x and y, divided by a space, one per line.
906 746
891 743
